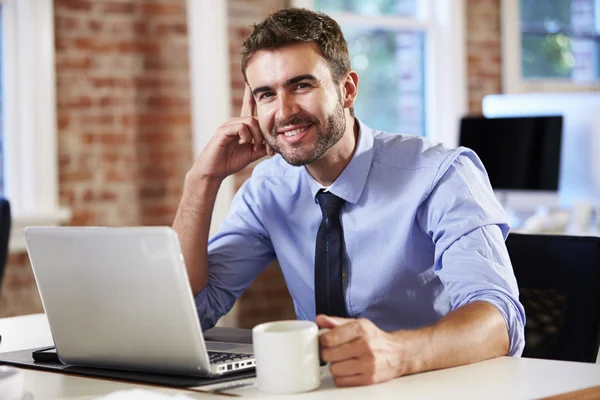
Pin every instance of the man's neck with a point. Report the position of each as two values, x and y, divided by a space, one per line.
328 168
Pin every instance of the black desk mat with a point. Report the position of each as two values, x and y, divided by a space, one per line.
24 359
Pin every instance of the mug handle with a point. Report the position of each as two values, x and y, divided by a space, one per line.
322 331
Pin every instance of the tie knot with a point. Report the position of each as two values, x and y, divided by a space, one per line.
331 205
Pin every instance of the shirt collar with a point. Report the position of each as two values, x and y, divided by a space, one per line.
351 182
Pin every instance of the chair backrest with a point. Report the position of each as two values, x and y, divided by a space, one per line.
559 284
4 234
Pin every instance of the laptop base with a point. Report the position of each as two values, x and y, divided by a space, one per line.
24 359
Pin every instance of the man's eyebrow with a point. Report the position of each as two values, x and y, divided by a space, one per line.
305 77
291 81
261 89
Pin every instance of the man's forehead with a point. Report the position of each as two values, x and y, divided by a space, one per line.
275 67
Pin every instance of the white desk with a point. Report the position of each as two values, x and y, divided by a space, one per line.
501 378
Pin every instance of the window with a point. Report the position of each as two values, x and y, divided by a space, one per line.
551 45
409 55
28 115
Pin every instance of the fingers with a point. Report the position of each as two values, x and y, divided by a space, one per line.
325 321
247 128
356 380
256 133
247 113
347 351
345 333
346 368
248 103
244 134
252 127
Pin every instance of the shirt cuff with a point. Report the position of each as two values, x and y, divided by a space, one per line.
513 319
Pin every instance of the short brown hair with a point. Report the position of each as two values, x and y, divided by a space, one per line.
299 25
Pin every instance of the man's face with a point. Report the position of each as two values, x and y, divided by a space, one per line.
299 106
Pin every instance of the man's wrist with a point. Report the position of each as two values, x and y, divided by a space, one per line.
194 183
416 350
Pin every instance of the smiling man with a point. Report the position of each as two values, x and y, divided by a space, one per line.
393 242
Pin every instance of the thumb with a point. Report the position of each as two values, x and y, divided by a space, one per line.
325 321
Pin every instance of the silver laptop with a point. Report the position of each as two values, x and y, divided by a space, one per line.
120 298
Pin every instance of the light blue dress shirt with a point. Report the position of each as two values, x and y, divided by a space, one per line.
424 235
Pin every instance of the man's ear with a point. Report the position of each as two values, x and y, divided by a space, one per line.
349 89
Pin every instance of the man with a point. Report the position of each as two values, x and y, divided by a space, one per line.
396 243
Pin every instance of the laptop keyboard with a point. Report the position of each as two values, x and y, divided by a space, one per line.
217 357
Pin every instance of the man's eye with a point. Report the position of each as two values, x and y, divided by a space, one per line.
266 96
302 86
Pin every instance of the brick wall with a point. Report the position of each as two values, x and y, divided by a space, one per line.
124 133
124 129
484 52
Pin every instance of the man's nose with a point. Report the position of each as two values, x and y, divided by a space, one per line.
287 107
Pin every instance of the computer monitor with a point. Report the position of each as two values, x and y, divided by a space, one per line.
579 177
522 158
520 154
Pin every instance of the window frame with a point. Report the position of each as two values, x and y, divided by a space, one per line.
443 22
29 111
210 84
512 81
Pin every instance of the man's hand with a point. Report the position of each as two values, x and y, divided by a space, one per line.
360 353
235 144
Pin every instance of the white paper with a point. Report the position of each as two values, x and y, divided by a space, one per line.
142 394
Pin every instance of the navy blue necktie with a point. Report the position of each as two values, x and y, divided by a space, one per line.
329 253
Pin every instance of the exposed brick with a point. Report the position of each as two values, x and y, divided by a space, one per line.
162 9
95 45
95 25
75 5
152 192
83 217
484 51
171 29
157 137
118 8
156 119
78 102
74 62
63 121
140 28
66 23
111 82
139 47
166 101
76 176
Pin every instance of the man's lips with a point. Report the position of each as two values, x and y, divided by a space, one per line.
290 128
294 133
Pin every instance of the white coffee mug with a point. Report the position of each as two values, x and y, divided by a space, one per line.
287 356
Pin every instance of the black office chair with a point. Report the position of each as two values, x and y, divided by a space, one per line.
559 284
4 234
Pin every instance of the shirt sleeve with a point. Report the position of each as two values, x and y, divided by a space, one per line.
239 251
468 227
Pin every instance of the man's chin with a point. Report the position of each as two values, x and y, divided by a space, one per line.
297 161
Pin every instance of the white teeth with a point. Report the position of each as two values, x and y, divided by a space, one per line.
294 132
